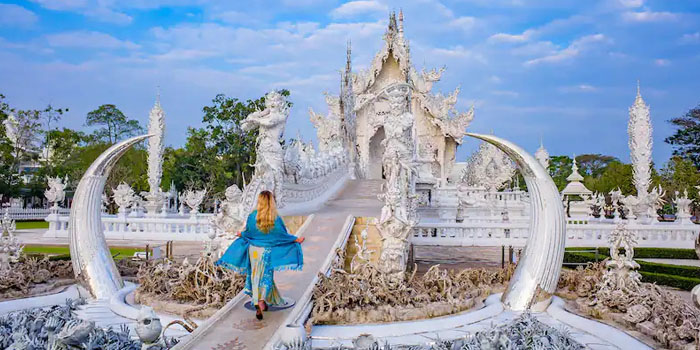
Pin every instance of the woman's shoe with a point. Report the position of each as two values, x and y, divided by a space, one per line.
264 306
258 313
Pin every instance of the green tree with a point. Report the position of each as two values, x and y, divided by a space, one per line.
235 147
115 125
560 169
678 175
615 174
593 164
686 139
197 165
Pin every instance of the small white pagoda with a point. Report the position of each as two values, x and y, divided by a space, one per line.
574 191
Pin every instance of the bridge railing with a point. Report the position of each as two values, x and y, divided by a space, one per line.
577 234
193 228
33 213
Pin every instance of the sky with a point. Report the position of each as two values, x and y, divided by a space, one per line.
561 71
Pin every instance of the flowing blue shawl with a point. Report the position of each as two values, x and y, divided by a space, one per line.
285 254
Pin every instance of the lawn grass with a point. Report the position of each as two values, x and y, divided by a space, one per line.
123 252
26 225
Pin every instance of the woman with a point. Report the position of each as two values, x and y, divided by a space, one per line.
264 246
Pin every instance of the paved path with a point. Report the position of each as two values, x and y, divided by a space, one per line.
238 326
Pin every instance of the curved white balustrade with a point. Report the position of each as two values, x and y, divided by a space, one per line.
661 235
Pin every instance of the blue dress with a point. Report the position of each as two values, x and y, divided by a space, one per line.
258 255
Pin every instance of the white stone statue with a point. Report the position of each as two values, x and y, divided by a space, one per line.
621 273
270 123
683 204
328 129
193 199
123 197
148 328
398 214
615 200
231 218
10 249
56 192
156 148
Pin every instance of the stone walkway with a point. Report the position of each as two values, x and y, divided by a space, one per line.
238 328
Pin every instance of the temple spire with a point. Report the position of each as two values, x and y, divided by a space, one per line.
348 59
401 23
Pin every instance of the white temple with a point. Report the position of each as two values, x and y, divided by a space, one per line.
438 127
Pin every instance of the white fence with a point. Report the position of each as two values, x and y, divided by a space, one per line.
180 228
661 235
33 213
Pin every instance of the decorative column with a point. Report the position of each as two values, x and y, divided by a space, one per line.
156 127
640 144
398 216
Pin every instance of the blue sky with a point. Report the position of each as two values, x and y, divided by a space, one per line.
562 70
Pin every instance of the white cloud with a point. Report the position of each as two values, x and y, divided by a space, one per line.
631 3
586 88
512 38
99 10
649 16
463 22
89 40
506 93
662 62
16 16
691 38
359 7
574 49
62 5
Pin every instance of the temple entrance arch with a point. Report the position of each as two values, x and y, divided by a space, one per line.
376 152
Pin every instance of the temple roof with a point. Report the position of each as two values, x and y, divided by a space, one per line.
440 108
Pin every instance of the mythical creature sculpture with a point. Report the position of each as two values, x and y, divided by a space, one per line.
123 197
193 199
683 204
399 211
231 218
56 192
328 129
270 124
621 273
10 249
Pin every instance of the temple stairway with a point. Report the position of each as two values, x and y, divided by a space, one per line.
235 327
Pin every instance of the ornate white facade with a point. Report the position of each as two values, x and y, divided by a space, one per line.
488 168
438 127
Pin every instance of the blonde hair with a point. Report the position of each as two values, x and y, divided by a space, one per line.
267 212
